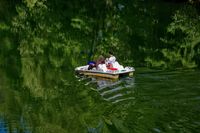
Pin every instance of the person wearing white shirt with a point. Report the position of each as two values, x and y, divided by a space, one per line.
112 63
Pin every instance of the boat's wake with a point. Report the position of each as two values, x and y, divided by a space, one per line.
116 91
113 91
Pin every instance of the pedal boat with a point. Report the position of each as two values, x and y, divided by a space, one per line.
111 74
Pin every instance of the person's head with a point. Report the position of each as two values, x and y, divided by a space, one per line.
101 59
110 53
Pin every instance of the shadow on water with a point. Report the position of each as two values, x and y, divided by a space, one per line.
113 91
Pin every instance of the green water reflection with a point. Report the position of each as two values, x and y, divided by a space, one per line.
151 101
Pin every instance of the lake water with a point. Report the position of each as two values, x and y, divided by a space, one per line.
150 101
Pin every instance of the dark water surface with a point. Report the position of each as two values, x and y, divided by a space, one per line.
151 101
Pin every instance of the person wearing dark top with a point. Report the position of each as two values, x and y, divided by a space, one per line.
92 64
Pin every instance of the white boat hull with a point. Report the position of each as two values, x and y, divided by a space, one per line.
112 74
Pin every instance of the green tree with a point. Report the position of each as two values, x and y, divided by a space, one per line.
183 42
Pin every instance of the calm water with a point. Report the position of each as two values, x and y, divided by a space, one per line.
151 101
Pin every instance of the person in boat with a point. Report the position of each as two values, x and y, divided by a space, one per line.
112 64
91 64
100 64
110 60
